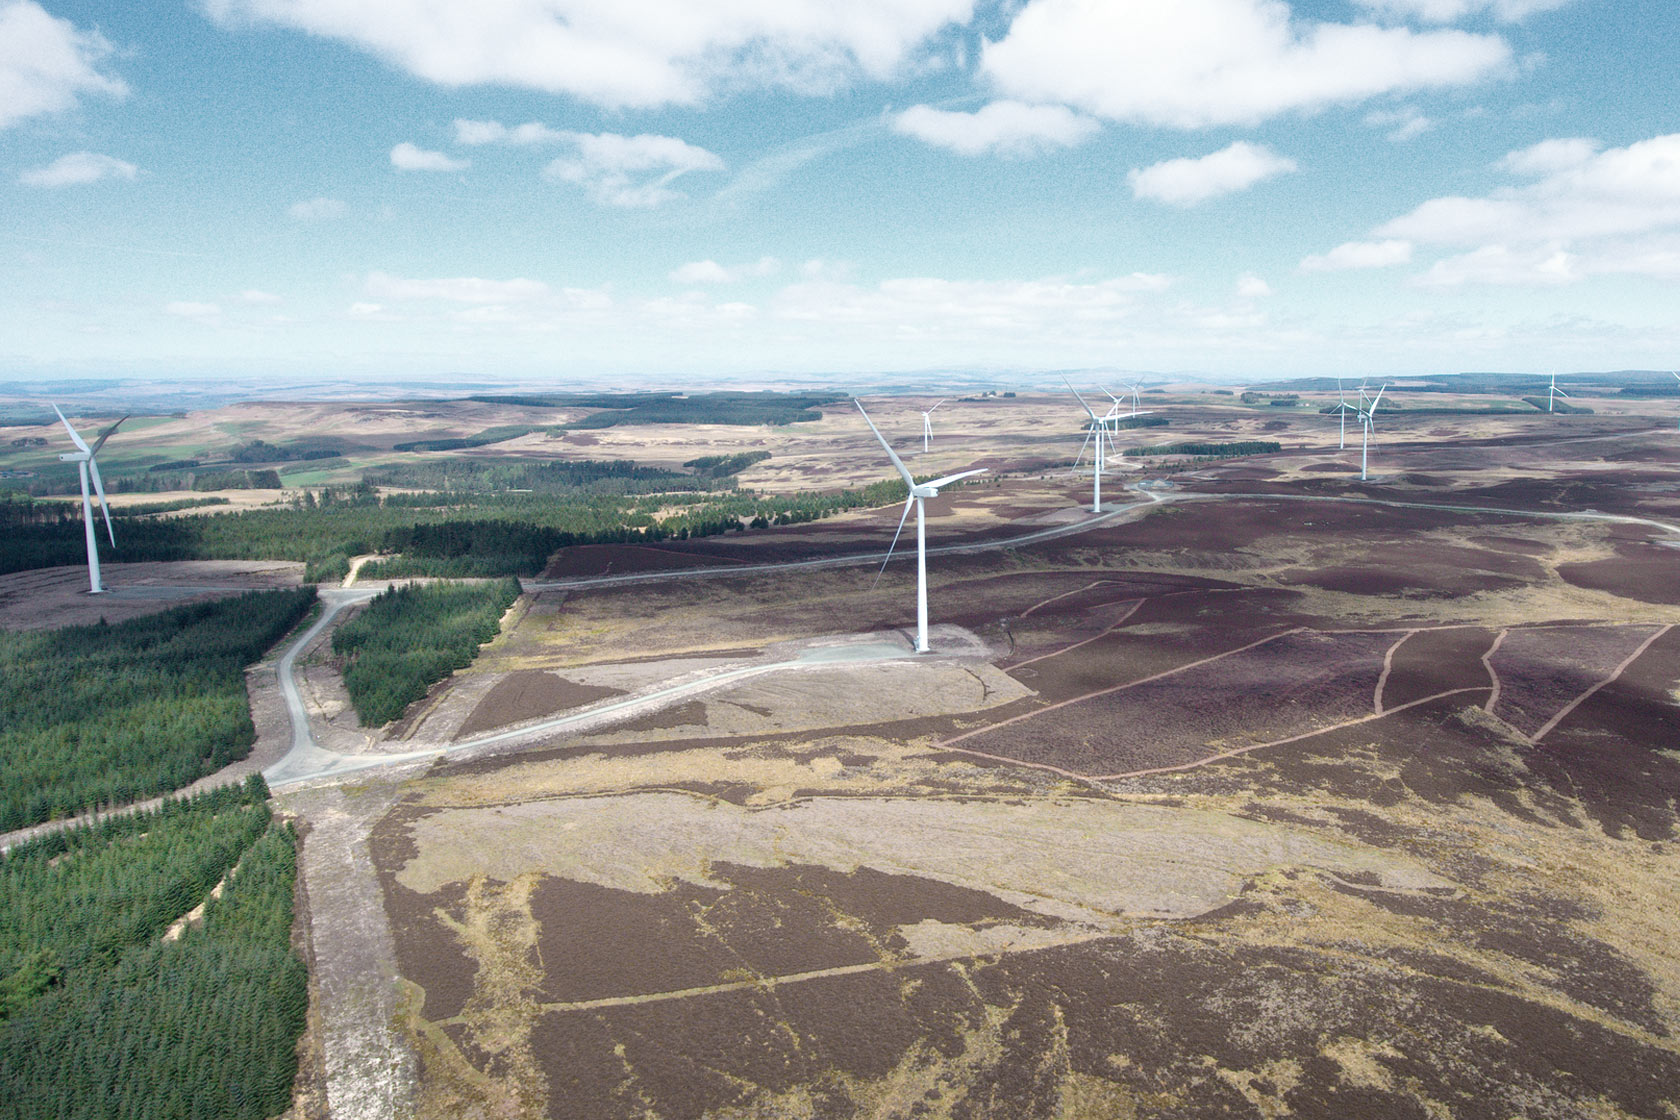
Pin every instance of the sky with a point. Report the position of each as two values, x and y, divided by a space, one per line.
661 191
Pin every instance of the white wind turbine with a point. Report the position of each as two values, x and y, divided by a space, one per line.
1553 392
84 458
1367 421
919 493
927 423
1099 431
1342 409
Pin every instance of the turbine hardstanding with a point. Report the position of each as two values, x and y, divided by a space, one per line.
919 492
84 458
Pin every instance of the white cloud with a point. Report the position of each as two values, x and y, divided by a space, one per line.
1198 63
1549 156
1186 182
495 132
1547 266
1359 254
77 168
192 309
256 295
362 309
1451 11
629 170
1004 127
407 157
629 54
46 63
1578 194
1250 286
711 272
316 209
1403 124
460 289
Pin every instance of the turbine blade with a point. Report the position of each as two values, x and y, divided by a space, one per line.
939 402
950 478
105 435
1378 399
1089 432
909 479
104 506
908 502
1080 399
75 436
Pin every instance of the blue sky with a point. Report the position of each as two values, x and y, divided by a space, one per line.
673 189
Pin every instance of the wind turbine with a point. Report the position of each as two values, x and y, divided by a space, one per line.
1553 391
927 423
1676 375
1099 430
1342 409
84 458
919 493
1367 420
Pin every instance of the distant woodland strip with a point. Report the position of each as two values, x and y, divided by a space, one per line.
1219 450
101 1016
98 716
409 638
448 533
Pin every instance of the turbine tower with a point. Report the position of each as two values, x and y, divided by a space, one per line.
927 424
1099 430
919 493
84 458
1342 410
1553 392
1367 421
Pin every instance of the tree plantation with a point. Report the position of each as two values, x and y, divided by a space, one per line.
112 1005
104 715
409 638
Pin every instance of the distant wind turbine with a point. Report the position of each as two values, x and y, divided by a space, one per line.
1367 421
1676 374
1552 392
919 493
84 458
927 423
1342 409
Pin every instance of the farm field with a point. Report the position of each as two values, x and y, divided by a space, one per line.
1266 792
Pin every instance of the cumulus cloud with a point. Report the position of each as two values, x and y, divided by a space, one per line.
192 309
460 289
1186 182
633 171
408 157
257 295
1004 127
316 209
1199 63
1250 286
1359 254
631 54
1451 11
1577 193
77 168
47 64
1545 266
711 272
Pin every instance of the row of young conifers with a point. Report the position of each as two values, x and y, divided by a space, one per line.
116 1001
119 997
